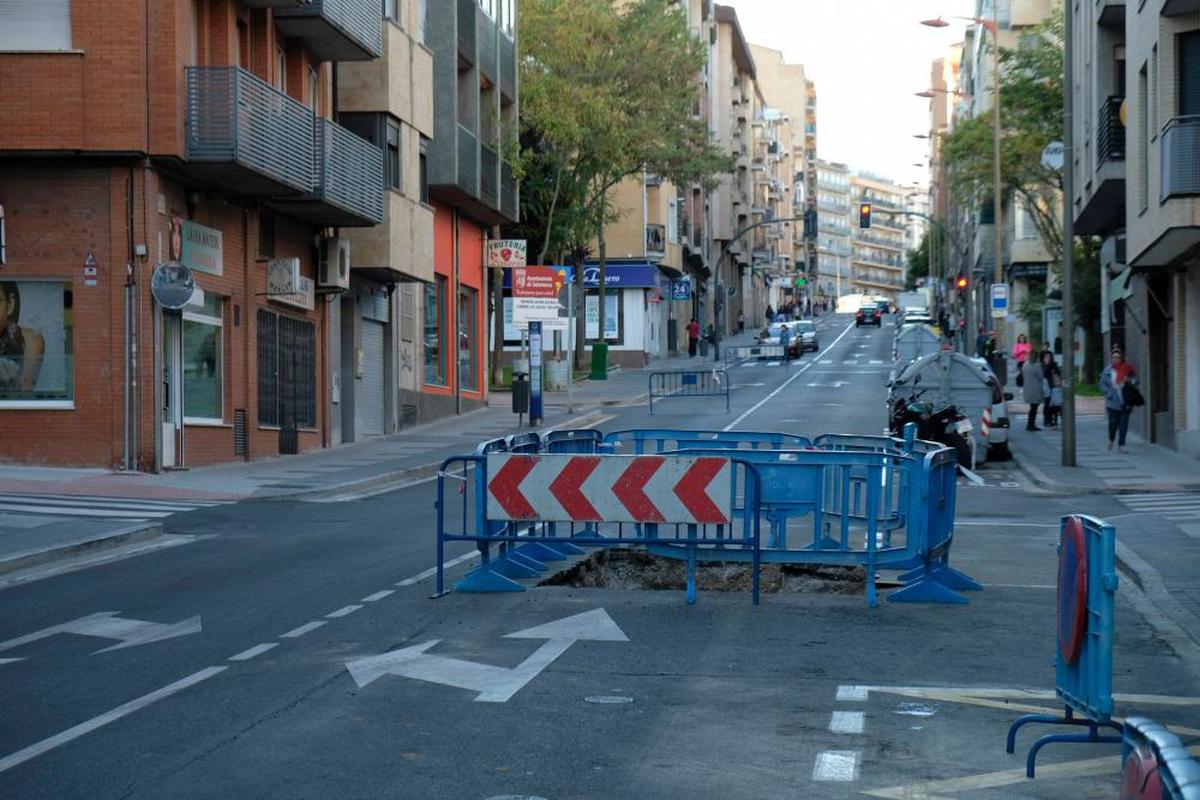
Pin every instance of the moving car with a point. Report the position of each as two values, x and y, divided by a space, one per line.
868 315
773 336
806 331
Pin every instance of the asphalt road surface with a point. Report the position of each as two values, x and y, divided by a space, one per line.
245 664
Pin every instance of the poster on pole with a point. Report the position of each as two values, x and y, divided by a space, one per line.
535 294
505 254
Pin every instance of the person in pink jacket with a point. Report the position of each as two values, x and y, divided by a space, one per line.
1021 350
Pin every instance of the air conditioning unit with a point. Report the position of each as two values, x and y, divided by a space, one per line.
334 270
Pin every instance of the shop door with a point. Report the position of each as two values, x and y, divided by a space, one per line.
172 389
370 395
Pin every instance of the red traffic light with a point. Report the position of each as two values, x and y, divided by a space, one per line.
961 283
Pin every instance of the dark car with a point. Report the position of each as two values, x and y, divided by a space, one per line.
884 306
868 315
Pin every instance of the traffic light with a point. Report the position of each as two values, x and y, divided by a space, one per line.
864 215
961 283
801 280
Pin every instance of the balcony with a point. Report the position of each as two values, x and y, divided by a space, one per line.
489 176
656 241
468 162
508 67
486 28
1173 8
335 30
509 201
245 137
1181 157
347 188
466 31
1110 133
1111 13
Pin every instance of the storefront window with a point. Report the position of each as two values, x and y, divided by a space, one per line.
435 317
203 368
36 344
467 338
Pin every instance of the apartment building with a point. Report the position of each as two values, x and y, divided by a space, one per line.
1136 136
878 257
176 198
833 228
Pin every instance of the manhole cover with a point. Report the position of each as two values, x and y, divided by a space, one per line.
608 699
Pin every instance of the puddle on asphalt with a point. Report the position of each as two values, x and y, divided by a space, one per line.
635 569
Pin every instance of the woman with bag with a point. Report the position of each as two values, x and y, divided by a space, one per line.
1052 386
1031 390
1119 382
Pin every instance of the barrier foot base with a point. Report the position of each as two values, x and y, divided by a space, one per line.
486 579
539 552
824 543
953 579
525 560
568 549
1091 737
511 568
926 590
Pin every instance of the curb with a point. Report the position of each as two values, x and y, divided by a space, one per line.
1179 627
138 532
388 479
1046 483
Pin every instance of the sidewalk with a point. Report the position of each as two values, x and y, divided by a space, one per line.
375 465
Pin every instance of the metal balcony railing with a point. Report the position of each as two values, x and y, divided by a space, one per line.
489 176
336 30
1180 143
468 162
466 29
509 200
656 240
486 36
508 67
233 117
349 171
1110 133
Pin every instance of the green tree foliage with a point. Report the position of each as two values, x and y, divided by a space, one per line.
607 89
933 242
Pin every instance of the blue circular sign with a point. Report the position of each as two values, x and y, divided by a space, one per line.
1072 590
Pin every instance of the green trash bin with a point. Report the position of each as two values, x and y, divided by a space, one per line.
599 361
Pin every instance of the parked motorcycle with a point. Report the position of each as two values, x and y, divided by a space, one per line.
946 424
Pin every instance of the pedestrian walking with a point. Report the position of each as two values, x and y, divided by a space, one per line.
693 332
1052 387
770 315
1119 384
1031 391
1021 350
785 339
981 341
741 322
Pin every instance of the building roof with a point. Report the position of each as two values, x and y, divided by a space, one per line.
741 50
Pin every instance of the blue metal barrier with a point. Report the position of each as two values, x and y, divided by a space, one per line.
659 440
1155 763
754 351
512 550
689 383
1087 588
528 442
573 440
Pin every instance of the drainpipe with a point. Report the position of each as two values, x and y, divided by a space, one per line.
452 303
130 456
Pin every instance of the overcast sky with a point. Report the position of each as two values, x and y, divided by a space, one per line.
866 58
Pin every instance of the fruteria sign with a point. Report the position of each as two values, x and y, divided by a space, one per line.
505 253
535 294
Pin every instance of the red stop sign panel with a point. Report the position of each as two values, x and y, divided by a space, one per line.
1072 590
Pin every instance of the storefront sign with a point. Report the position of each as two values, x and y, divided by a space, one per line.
200 247
535 293
506 253
304 297
592 315
283 276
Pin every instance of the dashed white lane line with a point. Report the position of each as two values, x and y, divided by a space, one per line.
371 598
429 573
343 612
307 627
84 728
257 650
855 694
846 722
836 765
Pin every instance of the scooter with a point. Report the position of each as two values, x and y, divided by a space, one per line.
946 425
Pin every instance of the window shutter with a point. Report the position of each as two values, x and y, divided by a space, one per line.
40 25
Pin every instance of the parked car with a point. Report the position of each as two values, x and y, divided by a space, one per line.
806 331
884 306
773 336
868 315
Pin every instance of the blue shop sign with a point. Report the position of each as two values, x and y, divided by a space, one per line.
616 276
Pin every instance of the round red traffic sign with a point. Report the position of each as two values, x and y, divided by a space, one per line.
1072 590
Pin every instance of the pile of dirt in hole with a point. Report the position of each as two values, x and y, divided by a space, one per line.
635 569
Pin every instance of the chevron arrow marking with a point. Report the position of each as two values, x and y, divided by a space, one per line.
692 490
630 489
506 487
567 488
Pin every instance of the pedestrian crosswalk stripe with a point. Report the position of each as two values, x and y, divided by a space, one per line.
124 508
88 500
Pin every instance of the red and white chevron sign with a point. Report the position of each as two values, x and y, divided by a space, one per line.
578 488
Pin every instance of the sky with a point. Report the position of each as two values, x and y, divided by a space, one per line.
866 59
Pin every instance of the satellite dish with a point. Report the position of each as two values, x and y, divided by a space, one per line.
172 285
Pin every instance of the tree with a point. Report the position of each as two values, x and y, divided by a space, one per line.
606 93
933 242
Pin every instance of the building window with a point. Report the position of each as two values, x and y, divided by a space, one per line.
280 76
391 155
435 323
419 33
41 25
1144 143
424 171
36 344
468 338
314 91
287 384
203 366
391 10
266 233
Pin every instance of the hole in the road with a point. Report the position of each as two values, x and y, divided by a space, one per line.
634 569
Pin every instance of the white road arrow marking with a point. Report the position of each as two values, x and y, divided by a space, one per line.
834 385
494 684
107 625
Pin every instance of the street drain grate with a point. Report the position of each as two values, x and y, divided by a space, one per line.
608 699
635 569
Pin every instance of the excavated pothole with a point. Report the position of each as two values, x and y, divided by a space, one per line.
636 569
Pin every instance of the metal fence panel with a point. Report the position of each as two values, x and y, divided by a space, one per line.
350 171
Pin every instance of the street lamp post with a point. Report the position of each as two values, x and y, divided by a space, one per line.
997 191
